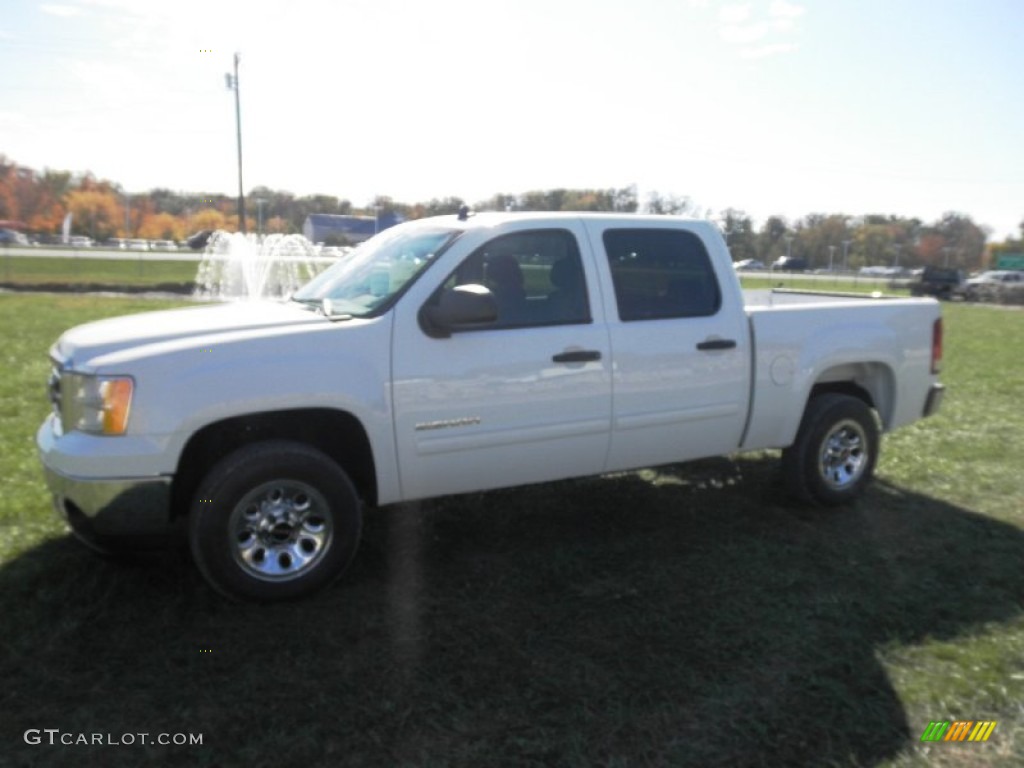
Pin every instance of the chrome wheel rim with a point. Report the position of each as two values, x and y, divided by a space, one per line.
844 455
281 530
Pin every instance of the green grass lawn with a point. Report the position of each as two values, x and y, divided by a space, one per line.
677 616
17 270
843 283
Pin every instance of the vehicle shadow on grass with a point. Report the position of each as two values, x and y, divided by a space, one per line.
677 616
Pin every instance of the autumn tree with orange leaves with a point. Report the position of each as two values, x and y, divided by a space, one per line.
96 211
161 226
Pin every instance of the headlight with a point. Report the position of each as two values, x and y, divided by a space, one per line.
96 404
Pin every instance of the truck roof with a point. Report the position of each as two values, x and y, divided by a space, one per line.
485 219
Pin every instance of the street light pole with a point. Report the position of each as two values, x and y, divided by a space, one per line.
846 245
232 82
260 202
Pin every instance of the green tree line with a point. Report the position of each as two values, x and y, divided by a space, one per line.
38 201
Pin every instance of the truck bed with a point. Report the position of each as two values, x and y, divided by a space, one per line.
786 297
801 339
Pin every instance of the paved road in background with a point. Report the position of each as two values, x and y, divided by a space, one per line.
102 253
197 256
119 255
188 255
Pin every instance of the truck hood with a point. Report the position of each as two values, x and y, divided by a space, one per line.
87 342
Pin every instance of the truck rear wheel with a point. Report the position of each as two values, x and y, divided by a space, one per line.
832 460
274 520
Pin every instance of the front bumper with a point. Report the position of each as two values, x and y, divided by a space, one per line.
115 507
106 509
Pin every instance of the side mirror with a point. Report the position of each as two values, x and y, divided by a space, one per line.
458 309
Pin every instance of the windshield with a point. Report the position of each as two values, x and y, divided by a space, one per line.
368 278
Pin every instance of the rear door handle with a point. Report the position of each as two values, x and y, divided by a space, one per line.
577 356
710 344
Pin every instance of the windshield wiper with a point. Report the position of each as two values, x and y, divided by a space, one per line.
311 303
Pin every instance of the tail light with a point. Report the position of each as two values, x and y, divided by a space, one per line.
937 346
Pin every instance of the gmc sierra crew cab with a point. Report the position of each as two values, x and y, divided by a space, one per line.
458 354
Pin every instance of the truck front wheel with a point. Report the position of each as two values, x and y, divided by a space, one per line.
833 457
274 521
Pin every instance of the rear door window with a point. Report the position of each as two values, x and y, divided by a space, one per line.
661 273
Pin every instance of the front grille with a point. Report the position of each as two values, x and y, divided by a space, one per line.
54 390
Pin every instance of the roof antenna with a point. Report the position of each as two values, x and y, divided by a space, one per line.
463 212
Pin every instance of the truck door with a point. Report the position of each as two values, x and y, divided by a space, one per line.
524 399
680 344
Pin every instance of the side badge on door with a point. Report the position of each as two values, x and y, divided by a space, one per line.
467 421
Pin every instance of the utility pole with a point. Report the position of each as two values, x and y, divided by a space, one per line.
232 83
846 247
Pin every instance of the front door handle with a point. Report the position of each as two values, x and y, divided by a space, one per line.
577 356
710 344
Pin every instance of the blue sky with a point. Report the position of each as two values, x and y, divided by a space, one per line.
771 106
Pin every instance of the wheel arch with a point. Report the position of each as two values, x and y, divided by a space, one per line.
338 434
873 383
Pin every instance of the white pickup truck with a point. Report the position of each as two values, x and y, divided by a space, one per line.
459 354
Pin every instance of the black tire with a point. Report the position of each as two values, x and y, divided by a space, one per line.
833 458
272 521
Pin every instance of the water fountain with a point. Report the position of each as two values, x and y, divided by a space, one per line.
237 266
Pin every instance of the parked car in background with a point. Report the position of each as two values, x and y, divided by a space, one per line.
985 285
138 245
12 237
334 251
164 245
748 265
790 264
940 282
80 241
873 271
199 240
